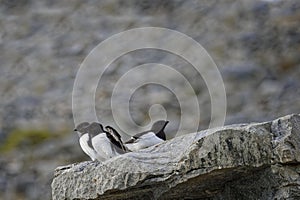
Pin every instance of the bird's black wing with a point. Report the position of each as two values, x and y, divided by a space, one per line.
115 137
136 136
114 133
130 141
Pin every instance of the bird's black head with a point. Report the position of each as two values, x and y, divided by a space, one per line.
82 128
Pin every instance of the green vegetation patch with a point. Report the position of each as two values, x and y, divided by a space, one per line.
24 138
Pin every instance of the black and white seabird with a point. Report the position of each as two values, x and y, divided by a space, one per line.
116 138
85 140
106 143
149 138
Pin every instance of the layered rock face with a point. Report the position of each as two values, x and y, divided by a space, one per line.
244 161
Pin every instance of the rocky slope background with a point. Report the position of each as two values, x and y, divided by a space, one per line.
255 45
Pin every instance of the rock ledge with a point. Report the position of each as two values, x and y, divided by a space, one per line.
244 161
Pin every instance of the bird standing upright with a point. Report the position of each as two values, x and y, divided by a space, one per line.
105 143
149 138
85 140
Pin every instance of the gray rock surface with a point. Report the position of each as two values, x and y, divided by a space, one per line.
244 161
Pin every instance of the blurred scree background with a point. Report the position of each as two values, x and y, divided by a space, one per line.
255 45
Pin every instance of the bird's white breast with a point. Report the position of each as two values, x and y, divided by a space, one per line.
83 141
103 146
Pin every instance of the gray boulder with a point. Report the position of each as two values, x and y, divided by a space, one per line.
244 161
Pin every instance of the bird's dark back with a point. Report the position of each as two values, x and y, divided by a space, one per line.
95 128
158 128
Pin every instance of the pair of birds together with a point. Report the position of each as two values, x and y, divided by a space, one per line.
102 144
